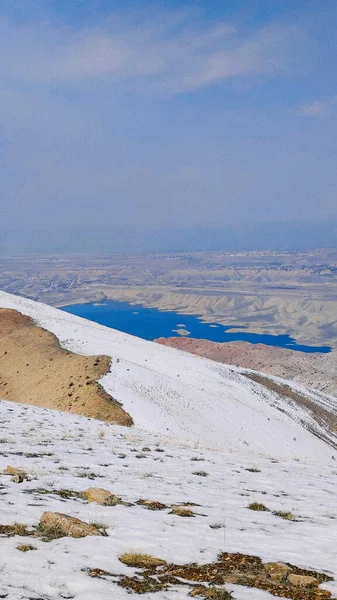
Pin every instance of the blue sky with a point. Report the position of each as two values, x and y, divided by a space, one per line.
145 125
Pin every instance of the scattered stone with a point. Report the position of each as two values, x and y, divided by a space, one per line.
277 571
302 580
54 525
18 475
101 496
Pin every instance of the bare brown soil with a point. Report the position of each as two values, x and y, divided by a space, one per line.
35 370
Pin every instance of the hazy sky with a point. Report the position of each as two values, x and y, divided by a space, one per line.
140 125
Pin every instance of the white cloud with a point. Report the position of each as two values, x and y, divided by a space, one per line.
318 109
151 55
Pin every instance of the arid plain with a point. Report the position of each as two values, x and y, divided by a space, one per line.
292 293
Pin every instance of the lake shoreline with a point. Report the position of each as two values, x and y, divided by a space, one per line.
152 323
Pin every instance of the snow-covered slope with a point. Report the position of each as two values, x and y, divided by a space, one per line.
65 452
184 396
171 395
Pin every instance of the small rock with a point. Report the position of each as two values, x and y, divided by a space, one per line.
101 496
69 526
277 571
13 470
302 580
18 475
18 478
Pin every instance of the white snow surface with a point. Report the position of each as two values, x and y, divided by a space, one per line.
184 396
62 451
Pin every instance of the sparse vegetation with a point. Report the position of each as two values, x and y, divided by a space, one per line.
16 529
279 579
101 526
151 504
141 561
26 548
87 474
180 511
284 515
49 533
210 593
258 507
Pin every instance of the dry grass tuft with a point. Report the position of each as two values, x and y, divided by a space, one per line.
48 534
210 593
102 526
19 529
284 515
15 529
180 511
26 547
258 507
151 504
141 561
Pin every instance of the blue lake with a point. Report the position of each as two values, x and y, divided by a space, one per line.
151 323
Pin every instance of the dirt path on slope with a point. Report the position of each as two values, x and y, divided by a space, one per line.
326 419
34 369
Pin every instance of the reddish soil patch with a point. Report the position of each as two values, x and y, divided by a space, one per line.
317 371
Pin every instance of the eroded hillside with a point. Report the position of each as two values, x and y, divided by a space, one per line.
34 369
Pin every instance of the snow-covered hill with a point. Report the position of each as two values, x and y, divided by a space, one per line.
187 397
211 466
